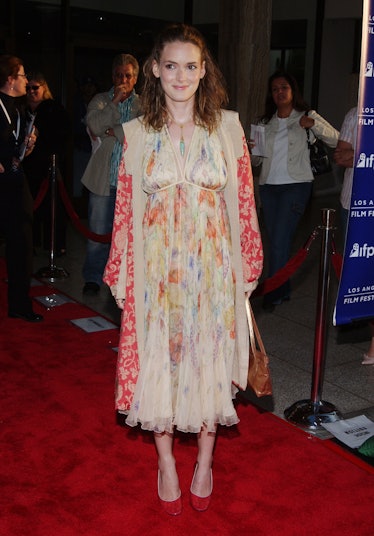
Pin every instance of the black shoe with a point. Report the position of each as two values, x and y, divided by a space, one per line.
91 289
29 317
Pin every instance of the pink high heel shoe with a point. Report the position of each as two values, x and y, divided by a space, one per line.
174 507
200 503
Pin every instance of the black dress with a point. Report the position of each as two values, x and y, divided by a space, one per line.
15 206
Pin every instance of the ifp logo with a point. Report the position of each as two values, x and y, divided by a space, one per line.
363 251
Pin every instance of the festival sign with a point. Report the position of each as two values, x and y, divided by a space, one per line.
355 298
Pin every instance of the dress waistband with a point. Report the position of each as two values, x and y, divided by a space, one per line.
185 182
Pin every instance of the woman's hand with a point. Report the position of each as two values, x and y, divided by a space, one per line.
306 121
2 168
120 303
343 154
30 141
250 287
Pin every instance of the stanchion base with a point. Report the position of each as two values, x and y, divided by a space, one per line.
311 415
52 273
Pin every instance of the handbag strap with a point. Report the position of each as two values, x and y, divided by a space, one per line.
307 132
254 333
250 325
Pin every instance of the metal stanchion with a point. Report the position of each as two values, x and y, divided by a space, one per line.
312 413
52 272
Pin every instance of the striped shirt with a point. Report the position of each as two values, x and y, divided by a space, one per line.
348 133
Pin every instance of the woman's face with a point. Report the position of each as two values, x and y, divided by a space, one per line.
281 92
19 82
35 92
180 71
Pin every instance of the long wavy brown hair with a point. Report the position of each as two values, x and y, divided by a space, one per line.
211 95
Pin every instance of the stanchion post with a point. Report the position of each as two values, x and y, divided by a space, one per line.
321 310
53 212
312 413
52 272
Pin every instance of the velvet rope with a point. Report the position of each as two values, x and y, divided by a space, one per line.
266 286
337 263
41 194
282 275
104 239
294 264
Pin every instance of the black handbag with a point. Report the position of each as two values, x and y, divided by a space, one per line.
319 156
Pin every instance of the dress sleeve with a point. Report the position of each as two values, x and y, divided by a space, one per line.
116 270
250 237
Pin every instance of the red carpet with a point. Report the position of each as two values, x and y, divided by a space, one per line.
68 469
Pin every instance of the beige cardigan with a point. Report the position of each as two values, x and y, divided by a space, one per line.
231 135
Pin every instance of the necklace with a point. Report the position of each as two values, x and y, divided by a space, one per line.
181 141
182 144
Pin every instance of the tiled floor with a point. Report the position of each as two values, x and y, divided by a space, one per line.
288 332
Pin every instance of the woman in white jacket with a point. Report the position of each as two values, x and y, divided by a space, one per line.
286 177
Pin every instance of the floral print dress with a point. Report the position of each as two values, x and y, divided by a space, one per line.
184 378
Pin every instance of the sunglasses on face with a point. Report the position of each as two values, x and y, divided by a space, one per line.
34 88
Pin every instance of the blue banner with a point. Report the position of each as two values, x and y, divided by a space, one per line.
355 298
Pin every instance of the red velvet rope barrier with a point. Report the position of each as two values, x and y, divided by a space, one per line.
337 261
282 275
104 239
294 264
266 286
41 194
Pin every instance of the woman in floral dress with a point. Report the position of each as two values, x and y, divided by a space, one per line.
186 250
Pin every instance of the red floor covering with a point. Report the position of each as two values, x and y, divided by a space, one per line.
68 468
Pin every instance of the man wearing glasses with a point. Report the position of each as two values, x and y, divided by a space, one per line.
105 114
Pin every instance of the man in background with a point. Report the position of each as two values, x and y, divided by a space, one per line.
105 114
